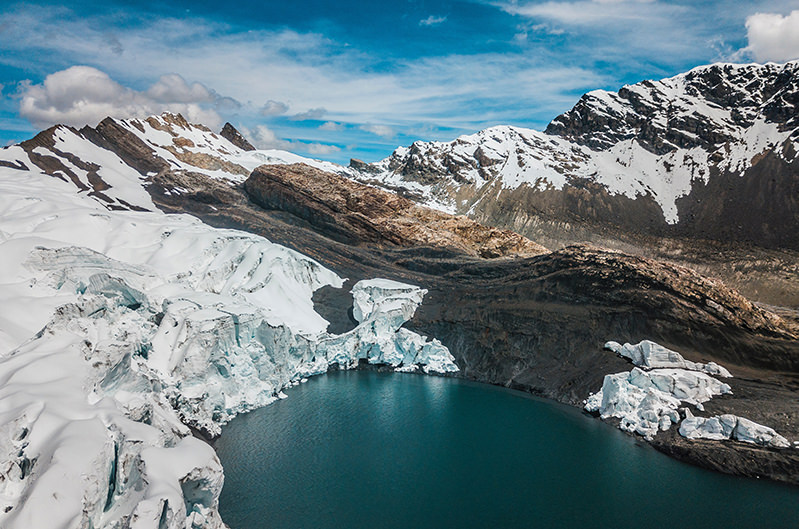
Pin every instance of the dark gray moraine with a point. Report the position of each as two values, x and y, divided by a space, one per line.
374 450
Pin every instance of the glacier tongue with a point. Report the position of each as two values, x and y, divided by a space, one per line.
119 329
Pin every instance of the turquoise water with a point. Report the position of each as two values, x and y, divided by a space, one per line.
372 450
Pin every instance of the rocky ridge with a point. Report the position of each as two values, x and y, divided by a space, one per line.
355 213
534 323
702 158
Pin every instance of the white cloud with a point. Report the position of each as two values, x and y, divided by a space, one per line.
432 20
82 95
383 131
304 70
331 126
265 138
586 12
773 37
274 108
320 149
313 113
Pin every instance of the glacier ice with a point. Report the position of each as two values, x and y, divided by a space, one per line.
651 396
121 330
648 401
729 426
648 354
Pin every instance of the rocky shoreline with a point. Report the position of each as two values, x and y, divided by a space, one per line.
537 324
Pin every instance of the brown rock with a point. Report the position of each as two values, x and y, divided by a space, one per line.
356 213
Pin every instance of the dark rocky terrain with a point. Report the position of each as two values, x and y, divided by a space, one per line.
717 144
538 323
511 315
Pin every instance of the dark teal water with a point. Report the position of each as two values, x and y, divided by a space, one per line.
368 450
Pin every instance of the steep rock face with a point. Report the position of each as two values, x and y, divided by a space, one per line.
702 108
355 213
707 154
235 137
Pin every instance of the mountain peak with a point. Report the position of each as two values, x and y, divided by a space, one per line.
231 134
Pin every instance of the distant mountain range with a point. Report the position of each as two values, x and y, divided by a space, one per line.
711 153
700 169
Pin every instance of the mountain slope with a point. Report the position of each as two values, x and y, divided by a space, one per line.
707 154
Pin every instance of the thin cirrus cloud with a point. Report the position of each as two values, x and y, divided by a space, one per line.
676 35
384 131
432 20
305 69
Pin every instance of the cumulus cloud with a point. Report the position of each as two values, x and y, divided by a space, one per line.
320 149
265 138
314 113
383 131
432 20
773 37
327 125
274 108
82 95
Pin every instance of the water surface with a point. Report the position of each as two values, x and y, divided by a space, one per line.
374 450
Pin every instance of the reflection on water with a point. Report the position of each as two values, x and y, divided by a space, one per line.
372 450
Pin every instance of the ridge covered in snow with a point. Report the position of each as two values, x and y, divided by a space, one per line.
119 330
115 160
656 140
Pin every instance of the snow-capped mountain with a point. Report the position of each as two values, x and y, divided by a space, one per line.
710 153
112 161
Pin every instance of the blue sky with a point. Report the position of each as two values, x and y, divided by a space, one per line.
352 78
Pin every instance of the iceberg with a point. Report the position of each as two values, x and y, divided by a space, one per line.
648 401
650 398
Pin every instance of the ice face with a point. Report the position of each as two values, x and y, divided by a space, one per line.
723 427
650 397
647 399
119 329
648 354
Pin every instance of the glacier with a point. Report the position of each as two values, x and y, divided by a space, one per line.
124 333
729 426
651 397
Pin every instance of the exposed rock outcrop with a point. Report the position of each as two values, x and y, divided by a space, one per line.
230 133
355 213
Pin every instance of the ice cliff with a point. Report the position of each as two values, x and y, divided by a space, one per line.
652 396
121 330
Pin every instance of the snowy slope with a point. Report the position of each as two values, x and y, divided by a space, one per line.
653 139
114 161
119 329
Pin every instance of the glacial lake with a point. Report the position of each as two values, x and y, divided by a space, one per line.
353 450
